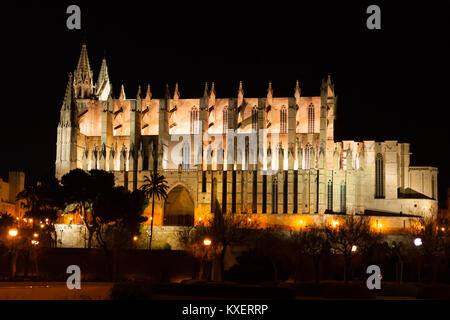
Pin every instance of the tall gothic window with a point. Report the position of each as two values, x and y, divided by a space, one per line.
225 120
224 191
274 196
254 118
308 156
283 120
433 182
264 194
186 156
194 120
295 192
379 176
343 196
285 192
311 118
330 196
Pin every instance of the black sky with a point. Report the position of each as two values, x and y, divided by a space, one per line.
392 83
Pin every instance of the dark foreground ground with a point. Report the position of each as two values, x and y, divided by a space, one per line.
197 290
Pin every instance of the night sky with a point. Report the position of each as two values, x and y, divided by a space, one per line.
392 83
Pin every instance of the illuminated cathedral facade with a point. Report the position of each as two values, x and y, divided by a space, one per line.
272 157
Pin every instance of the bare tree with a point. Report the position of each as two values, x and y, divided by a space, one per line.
224 231
349 235
312 243
432 244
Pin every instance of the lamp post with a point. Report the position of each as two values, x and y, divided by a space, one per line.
13 234
205 272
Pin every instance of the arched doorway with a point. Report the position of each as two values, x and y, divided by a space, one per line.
179 208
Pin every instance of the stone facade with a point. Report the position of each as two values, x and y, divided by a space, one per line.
272 157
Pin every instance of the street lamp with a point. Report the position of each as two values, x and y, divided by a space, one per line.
417 242
207 242
354 248
13 232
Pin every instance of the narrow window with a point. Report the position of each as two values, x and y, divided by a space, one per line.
203 181
285 192
433 195
379 176
283 120
224 191
233 196
213 192
343 197
255 192
264 194
274 196
330 196
254 119
225 120
194 120
311 118
295 191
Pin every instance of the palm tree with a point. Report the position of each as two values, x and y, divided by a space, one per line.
154 187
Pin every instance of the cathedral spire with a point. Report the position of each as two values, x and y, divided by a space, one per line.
138 94
205 91
297 91
240 94
69 108
213 90
167 94
103 86
148 95
270 90
83 75
122 93
176 93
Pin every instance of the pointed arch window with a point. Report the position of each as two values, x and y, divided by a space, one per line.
330 196
274 196
311 115
194 120
283 120
254 118
343 196
225 119
379 176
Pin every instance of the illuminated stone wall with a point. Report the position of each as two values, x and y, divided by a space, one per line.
133 136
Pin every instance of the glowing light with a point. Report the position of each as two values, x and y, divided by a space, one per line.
354 248
151 218
442 229
335 224
24 219
35 242
417 242
301 222
249 219
42 226
35 235
13 232
135 238
200 219
207 242
30 220
380 225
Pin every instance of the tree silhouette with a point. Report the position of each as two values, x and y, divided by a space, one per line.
119 215
81 189
312 243
154 186
350 231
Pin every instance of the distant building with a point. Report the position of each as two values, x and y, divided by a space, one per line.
274 157
9 191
